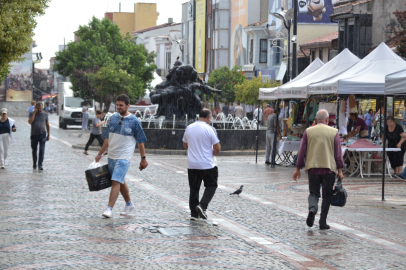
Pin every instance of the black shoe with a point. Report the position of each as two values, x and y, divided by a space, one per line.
86 153
40 168
310 219
194 218
267 163
34 167
201 212
324 227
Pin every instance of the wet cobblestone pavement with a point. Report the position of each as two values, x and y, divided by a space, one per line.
49 219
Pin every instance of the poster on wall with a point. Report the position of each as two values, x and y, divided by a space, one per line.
18 84
200 36
239 20
315 11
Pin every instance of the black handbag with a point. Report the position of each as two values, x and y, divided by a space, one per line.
98 178
339 195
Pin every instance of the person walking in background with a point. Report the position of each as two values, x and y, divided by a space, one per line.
95 133
270 135
396 137
123 132
225 109
404 116
239 111
248 110
85 116
232 109
202 144
39 134
267 112
6 137
256 112
31 109
322 148
368 118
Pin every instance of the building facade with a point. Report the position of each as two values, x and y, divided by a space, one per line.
145 15
364 24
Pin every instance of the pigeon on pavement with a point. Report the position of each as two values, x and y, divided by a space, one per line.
238 191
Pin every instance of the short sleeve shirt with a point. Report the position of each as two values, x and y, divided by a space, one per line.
96 130
200 138
239 112
38 125
361 122
123 138
271 123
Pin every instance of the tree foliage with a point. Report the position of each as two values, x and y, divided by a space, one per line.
103 64
225 79
17 22
248 91
400 32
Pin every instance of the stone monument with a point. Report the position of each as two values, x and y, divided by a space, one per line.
176 96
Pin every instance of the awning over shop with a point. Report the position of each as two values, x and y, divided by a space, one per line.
298 88
367 77
395 83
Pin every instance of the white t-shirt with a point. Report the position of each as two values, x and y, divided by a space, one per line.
256 114
200 138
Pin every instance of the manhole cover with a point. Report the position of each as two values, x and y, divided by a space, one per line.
180 231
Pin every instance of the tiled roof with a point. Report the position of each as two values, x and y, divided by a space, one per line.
321 41
258 23
154 28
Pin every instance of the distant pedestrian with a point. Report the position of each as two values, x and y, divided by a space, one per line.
225 110
248 110
231 108
404 115
322 148
39 134
85 116
6 137
202 144
239 111
31 109
267 112
95 133
260 115
396 137
368 118
123 132
270 135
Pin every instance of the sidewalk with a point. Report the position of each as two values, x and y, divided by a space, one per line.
49 219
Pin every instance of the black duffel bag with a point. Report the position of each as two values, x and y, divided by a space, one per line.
339 194
98 177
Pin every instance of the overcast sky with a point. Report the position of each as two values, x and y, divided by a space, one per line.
63 17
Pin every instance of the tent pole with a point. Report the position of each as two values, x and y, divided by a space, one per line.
338 113
273 161
384 149
256 152
307 113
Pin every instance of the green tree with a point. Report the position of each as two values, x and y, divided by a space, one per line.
226 79
400 32
248 91
17 22
103 64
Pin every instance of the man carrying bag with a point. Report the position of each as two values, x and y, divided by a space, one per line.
322 148
123 132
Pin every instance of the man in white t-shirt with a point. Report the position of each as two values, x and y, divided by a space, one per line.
202 144
123 132
260 115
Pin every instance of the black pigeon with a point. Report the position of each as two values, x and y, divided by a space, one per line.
238 191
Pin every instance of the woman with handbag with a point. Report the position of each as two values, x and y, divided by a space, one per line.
6 137
396 137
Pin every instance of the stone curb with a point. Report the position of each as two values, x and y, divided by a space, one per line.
181 152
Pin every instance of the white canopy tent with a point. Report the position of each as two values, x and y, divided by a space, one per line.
272 94
367 77
298 89
395 83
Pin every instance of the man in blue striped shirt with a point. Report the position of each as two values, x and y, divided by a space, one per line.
123 132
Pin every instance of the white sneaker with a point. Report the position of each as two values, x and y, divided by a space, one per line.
108 213
127 210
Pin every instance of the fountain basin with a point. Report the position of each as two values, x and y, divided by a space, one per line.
230 139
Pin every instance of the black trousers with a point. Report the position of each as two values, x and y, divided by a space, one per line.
326 182
209 178
91 139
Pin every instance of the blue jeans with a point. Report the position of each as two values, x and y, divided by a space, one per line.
369 132
35 140
403 174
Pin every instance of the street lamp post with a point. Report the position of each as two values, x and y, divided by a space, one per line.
294 60
281 16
